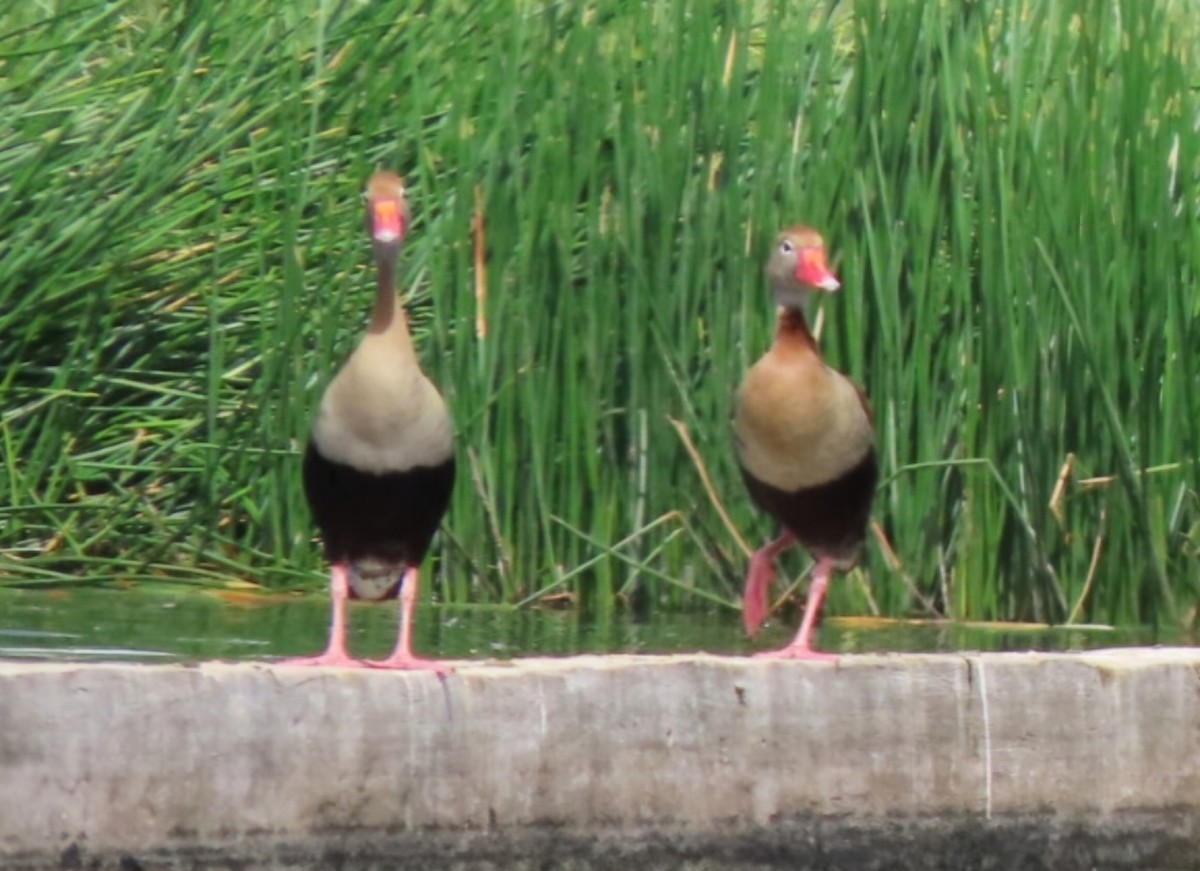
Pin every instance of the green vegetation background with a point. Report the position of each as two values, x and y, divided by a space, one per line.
1009 192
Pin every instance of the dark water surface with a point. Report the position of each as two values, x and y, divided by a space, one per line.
172 624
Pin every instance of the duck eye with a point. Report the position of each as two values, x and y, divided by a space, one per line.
786 246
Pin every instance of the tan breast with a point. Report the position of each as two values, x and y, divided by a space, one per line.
799 423
381 414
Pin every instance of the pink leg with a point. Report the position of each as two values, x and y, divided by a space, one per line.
758 581
801 646
335 651
402 656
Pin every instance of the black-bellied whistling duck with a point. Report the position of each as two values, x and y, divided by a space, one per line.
380 464
804 443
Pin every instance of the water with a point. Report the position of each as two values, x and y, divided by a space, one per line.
182 624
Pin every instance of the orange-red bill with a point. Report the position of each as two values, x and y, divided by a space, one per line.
811 269
387 220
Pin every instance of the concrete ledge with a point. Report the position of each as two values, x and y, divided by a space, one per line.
944 761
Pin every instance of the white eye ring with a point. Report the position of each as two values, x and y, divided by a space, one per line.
786 246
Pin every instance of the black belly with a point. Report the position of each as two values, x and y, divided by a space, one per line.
829 519
390 517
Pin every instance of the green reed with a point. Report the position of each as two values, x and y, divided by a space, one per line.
1008 191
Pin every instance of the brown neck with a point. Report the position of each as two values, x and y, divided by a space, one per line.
793 329
388 314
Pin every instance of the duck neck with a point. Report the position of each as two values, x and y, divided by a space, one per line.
388 317
792 329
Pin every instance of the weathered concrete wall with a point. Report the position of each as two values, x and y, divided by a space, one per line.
1014 760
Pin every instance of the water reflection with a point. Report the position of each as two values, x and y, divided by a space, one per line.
178 624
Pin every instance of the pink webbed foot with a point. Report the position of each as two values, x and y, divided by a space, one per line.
795 651
335 654
801 646
402 662
402 657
